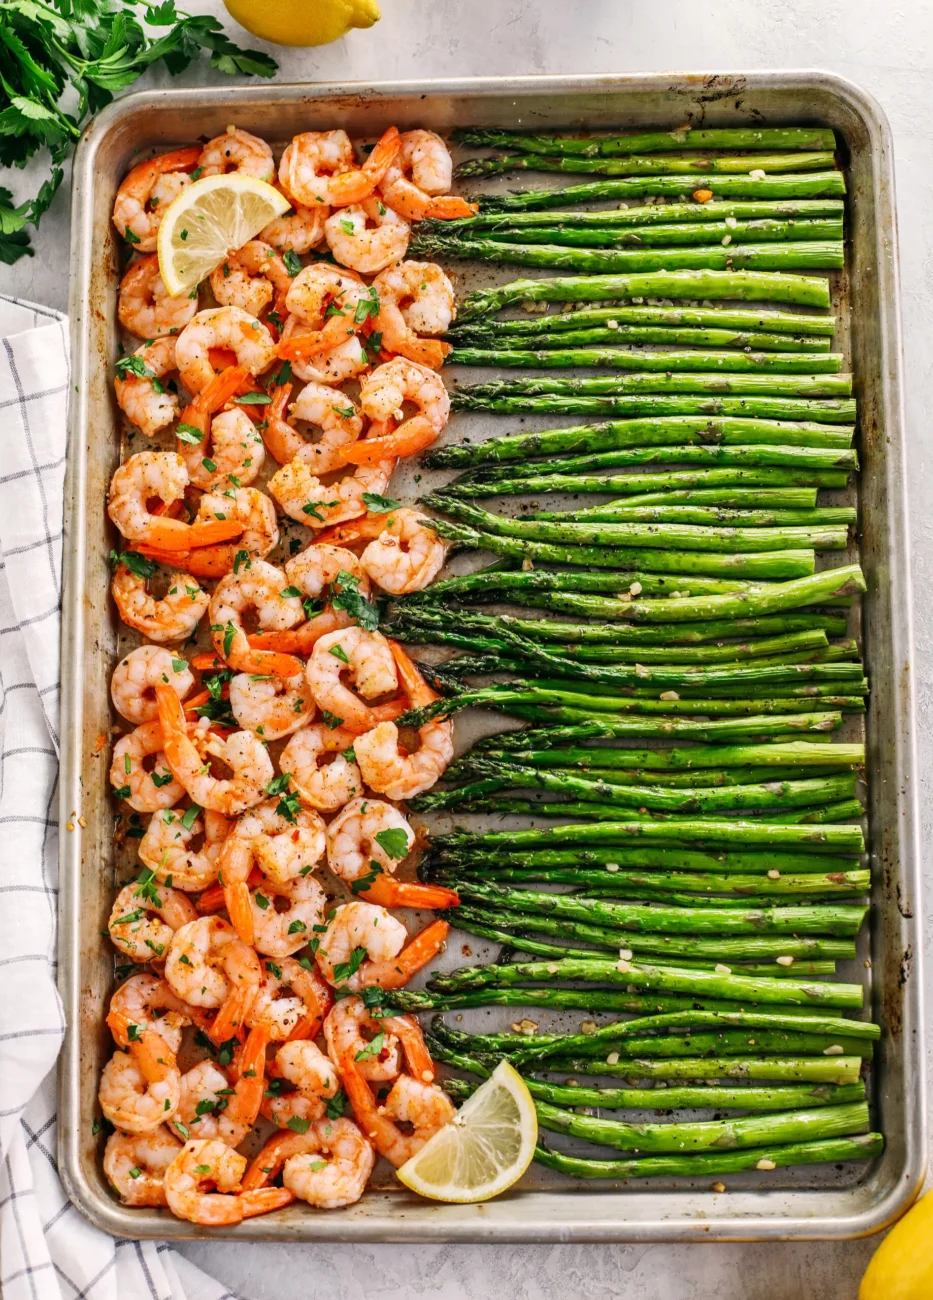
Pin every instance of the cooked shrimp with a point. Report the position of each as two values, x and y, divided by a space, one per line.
132 687
367 833
303 496
144 790
302 1082
297 231
273 707
141 924
245 508
315 572
141 395
145 1004
209 1107
292 1001
173 618
346 361
131 1101
375 1044
219 447
200 1164
415 298
258 590
209 966
252 278
327 302
389 771
417 182
328 1166
366 658
328 409
167 848
190 761
320 167
227 328
406 555
367 236
281 933
135 1165
138 209
237 151
331 785
159 475
384 392
144 306
423 1108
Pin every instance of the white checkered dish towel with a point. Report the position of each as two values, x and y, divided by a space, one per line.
47 1250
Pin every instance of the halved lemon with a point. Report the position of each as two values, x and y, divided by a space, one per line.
208 221
485 1150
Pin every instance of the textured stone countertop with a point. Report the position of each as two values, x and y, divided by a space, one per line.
887 49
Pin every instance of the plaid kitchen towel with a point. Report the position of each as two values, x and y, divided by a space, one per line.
47 1250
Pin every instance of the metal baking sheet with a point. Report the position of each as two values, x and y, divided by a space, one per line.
825 1202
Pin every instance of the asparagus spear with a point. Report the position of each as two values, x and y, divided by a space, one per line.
570 397
472 857
792 187
646 488
840 1070
494 334
846 810
789 137
670 431
624 512
793 374
651 214
672 235
631 164
806 255
703 757
868 1146
747 319
722 983
746 286
435 600
411 1001
627 884
559 707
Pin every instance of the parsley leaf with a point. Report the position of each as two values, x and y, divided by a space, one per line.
394 842
348 598
345 970
380 505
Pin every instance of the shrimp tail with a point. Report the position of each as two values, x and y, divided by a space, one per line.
384 891
414 685
383 155
397 971
299 640
229 1021
267 1163
237 901
203 562
264 1201
310 1025
449 207
415 435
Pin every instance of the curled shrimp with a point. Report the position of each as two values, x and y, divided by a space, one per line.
292 1002
272 707
144 1005
219 447
327 302
174 617
316 572
302 1081
131 1099
203 1164
141 395
329 786
209 1107
141 924
168 848
405 553
140 203
417 182
257 589
282 933
389 771
303 497
132 686
320 167
383 395
144 789
247 508
367 237
423 1108
415 298
391 962
367 660
190 761
376 1045
328 1166
366 844
297 231
159 475
209 966
135 1165
144 306
229 329
346 361
237 151
327 409
253 278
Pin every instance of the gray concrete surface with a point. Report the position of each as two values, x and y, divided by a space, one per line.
888 49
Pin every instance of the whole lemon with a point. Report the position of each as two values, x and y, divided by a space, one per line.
303 22
902 1266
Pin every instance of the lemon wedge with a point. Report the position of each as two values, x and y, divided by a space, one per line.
303 22
902 1266
487 1147
208 221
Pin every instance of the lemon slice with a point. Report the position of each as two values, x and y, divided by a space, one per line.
208 221
485 1150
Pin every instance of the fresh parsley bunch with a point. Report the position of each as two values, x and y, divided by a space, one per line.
61 61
